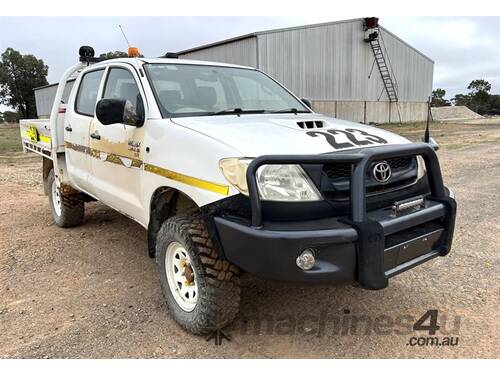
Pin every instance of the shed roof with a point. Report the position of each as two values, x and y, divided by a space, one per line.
263 32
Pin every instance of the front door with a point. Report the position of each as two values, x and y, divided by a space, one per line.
78 120
118 148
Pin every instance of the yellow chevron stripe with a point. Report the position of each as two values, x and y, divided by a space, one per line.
179 177
188 180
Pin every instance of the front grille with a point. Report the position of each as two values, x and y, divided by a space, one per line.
400 163
343 170
338 170
337 187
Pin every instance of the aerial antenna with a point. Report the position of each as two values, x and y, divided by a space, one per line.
124 36
132 51
429 114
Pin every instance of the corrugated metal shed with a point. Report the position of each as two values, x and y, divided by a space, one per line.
241 51
330 62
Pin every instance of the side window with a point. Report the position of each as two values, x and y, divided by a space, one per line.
87 93
67 91
121 84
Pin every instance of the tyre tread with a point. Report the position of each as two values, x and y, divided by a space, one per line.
72 207
218 305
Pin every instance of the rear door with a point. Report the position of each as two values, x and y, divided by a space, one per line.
117 165
78 120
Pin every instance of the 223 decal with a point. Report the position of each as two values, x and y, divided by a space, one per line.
356 137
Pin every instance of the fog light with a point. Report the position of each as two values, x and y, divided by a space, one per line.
306 260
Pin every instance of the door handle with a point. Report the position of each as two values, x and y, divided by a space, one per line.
95 135
69 128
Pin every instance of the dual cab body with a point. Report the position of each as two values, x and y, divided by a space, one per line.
227 170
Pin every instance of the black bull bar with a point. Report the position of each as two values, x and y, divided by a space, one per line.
371 240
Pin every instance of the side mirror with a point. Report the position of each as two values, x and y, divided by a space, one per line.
307 102
120 111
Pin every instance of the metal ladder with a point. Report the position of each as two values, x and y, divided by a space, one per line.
390 85
385 74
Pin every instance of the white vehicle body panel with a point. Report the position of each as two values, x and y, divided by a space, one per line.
128 164
255 135
119 145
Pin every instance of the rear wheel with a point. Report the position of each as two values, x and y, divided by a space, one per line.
201 290
67 211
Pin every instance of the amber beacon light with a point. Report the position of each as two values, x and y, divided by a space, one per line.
133 52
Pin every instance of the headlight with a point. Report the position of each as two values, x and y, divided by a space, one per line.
286 182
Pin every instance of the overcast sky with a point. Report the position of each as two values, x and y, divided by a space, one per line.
463 48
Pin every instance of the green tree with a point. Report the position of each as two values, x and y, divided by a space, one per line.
1 118
461 99
438 99
494 105
479 85
480 96
19 75
114 55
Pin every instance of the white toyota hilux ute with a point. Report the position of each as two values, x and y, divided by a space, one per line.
229 171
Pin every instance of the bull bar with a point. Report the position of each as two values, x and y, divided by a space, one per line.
370 246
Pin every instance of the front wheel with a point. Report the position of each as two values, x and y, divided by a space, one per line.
67 211
201 290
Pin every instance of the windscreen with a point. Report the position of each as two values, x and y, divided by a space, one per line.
195 90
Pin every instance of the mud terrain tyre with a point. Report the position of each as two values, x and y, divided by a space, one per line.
201 290
67 211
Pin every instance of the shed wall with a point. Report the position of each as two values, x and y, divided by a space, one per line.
333 66
332 62
240 52
369 111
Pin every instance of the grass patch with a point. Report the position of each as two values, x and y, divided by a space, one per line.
10 140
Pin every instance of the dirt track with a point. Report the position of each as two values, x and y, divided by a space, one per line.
92 291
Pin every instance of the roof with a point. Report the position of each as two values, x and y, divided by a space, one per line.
164 60
257 33
192 62
159 60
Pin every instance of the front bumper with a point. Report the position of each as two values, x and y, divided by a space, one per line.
365 247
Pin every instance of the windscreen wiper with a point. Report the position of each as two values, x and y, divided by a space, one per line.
289 110
236 111
227 110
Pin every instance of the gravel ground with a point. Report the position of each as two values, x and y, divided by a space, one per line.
92 291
